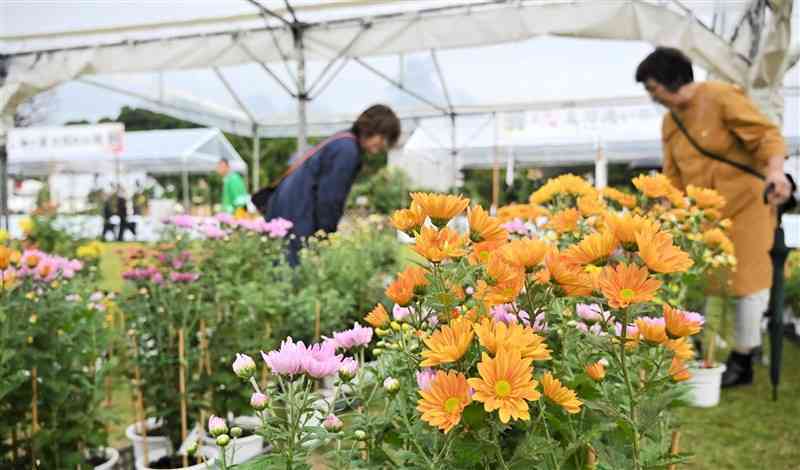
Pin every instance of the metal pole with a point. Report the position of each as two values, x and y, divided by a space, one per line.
453 152
495 169
4 185
185 184
256 160
302 96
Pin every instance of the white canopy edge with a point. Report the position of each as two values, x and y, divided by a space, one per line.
29 73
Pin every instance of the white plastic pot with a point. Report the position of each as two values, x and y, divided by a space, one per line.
209 453
705 385
241 449
112 458
157 446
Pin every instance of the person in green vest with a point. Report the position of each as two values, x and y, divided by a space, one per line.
234 191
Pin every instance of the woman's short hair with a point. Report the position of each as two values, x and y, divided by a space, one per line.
668 66
378 119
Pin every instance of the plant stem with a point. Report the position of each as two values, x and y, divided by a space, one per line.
499 450
631 396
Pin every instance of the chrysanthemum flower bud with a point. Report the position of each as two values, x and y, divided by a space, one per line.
223 440
236 431
217 426
360 435
395 326
244 366
191 448
391 385
332 424
259 401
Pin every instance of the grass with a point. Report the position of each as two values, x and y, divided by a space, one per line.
746 431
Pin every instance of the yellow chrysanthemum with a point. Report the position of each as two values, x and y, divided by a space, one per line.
705 198
440 207
655 186
652 329
624 200
439 245
565 221
682 348
560 394
564 184
590 204
378 317
596 371
483 227
408 220
624 284
448 343
680 323
494 335
679 371
659 254
527 253
593 249
506 384
443 402
717 238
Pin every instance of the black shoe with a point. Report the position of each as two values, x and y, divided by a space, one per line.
738 371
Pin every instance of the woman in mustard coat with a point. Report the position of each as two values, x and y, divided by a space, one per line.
722 120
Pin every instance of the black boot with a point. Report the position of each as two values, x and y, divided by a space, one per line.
738 371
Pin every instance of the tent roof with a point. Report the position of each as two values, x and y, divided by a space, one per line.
153 152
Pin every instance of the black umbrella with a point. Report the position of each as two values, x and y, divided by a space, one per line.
778 253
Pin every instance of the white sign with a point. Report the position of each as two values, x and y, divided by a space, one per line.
45 143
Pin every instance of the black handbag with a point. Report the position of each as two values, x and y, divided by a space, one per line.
787 206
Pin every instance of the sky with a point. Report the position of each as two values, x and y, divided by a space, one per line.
534 70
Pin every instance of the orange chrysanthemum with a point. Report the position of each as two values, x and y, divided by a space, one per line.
624 200
441 405
481 251
626 226
378 317
654 186
590 204
560 394
527 253
521 211
494 335
483 227
570 277
652 329
679 371
658 252
594 249
717 238
682 348
680 323
506 384
596 371
626 284
565 221
440 207
408 283
448 343
408 220
503 284
439 245
705 198
5 257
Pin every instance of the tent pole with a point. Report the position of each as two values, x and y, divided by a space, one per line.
4 186
495 169
600 167
302 96
256 169
453 151
185 185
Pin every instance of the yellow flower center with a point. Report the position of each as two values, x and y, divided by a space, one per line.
502 388
627 293
451 404
592 269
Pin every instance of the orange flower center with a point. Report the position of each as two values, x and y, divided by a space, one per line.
451 404
627 293
502 388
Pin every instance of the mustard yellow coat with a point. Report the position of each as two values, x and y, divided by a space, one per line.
723 120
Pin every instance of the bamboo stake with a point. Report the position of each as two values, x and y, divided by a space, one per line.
202 335
673 450
182 377
14 441
316 321
139 405
591 458
34 404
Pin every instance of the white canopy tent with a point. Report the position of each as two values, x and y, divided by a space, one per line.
284 40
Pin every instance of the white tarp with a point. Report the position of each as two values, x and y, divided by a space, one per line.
153 152
209 44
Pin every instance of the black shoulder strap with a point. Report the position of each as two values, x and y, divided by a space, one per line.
740 166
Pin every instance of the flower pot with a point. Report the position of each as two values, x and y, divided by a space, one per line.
112 458
210 455
241 449
157 446
705 385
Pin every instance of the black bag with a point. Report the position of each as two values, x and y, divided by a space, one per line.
787 206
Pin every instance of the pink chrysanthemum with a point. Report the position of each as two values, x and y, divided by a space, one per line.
356 336
288 360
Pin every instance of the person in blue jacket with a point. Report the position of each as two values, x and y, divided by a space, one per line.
313 192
